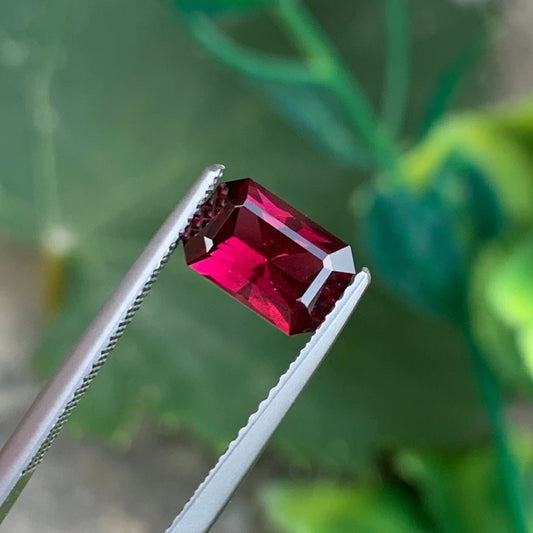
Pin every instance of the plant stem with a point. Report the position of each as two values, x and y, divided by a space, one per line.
42 115
328 67
492 396
396 87
249 62
451 81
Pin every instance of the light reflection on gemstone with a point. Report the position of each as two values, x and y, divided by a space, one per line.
269 256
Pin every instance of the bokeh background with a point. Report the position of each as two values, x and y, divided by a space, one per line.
404 127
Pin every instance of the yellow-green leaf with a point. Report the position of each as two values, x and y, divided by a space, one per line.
501 302
323 507
462 490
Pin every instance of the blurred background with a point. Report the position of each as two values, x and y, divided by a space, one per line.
404 127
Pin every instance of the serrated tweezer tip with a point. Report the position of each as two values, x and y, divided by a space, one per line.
212 495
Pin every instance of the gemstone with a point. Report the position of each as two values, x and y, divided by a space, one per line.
268 256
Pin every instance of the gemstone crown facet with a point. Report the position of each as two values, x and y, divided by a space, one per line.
268 255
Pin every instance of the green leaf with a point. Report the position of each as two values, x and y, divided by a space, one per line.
515 121
467 194
497 142
411 242
327 508
501 301
452 81
422 242
462 490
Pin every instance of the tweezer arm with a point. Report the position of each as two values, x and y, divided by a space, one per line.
30 440
212 495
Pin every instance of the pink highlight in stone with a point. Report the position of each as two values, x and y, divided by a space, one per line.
268 256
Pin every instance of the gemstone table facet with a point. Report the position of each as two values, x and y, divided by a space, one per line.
269 256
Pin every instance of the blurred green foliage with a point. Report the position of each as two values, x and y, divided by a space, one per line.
213 6
329 508
423 241
502 300
130 134
109 110
463 490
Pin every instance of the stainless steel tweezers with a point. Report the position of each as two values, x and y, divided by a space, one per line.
32 438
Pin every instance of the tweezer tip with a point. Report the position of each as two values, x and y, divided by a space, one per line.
365 271
216 168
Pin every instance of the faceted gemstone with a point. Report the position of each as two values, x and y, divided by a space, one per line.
268 256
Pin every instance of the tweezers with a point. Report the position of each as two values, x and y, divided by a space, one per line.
43 421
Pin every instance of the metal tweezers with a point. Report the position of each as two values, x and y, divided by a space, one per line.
34 435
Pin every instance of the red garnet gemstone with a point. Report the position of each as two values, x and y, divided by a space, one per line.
269 256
